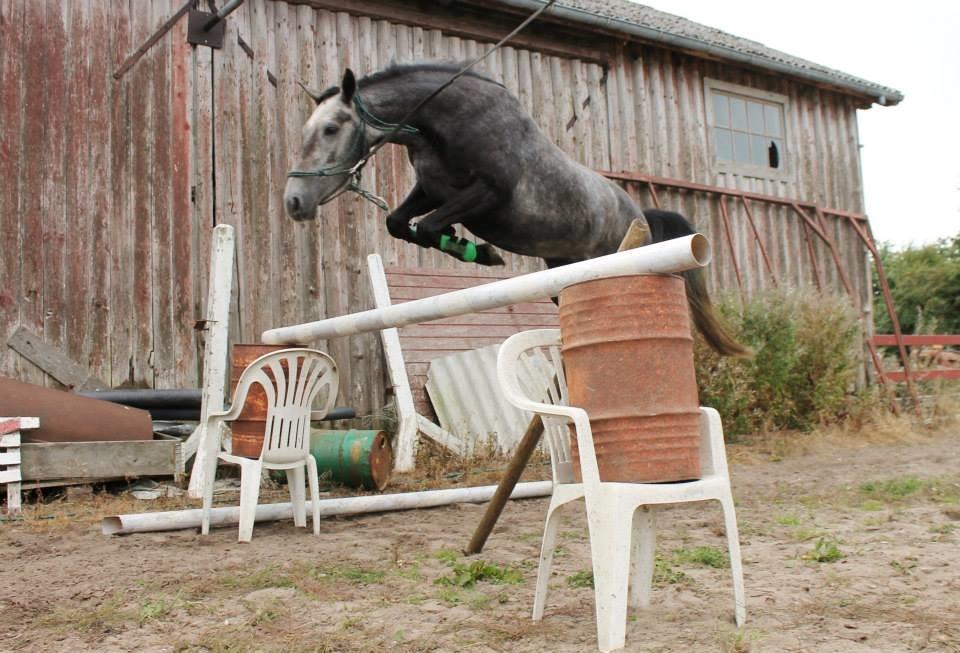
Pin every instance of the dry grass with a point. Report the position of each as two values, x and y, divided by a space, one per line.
872 423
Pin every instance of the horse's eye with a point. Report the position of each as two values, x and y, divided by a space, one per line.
330 130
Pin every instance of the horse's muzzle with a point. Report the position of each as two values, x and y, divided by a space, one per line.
297 208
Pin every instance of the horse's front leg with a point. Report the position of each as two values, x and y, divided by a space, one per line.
416 203
478 199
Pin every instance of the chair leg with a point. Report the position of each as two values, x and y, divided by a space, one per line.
736 565
207 506
314 493
610 547
296 481
249 496
546 558
643 556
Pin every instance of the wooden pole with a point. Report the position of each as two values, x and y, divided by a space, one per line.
637 235
528 443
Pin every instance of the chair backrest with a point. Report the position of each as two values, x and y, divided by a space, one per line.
291 379
529 366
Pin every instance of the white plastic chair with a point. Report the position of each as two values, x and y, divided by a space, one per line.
291 380
621 516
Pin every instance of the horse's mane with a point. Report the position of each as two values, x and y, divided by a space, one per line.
395 70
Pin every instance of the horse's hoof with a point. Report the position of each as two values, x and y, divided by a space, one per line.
487 255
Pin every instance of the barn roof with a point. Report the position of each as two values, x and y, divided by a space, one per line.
648 24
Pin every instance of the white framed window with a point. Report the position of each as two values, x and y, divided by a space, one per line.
747 130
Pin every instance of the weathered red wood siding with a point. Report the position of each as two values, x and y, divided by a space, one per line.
95 216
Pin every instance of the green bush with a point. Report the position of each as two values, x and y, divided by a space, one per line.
807 349
925 286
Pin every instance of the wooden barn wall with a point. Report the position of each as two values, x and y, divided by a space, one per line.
109 188
98 237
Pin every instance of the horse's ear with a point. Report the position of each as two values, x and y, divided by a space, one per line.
348 86
316 96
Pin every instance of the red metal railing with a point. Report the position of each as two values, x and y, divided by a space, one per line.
889 340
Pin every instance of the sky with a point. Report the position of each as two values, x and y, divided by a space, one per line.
910 153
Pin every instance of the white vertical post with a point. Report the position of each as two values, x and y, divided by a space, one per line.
207 445
10 457
406 412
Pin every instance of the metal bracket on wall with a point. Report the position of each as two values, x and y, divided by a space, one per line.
204 28
199 34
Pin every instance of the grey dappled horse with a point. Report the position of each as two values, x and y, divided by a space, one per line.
480 161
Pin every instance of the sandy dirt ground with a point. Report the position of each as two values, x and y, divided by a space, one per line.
847 549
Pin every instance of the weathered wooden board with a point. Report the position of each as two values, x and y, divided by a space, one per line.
46 461
53 361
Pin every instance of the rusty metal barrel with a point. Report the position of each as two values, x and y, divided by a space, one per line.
249 426
628 357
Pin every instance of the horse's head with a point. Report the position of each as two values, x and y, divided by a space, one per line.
333 142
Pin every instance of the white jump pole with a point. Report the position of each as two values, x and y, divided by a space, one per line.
180 519
660 258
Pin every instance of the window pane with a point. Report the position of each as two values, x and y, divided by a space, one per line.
724 144
741 148
758 151
721 110
738 113
773 120
755 111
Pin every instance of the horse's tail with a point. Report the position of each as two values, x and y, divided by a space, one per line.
665 225
707 320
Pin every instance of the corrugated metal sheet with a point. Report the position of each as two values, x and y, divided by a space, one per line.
468 400
109 189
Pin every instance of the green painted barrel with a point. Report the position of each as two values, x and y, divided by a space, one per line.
354 458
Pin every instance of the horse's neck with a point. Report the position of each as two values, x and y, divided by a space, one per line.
392 100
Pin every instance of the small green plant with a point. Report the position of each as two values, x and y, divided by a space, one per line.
825 550
738 641
583 578
664 574
468 575
448 556
788 520
155 608
872 505
264 616
904 567
258 579
943 529
707 556
354 575
351 623
894 488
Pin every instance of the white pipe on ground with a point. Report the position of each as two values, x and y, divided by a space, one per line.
180 519
660 258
